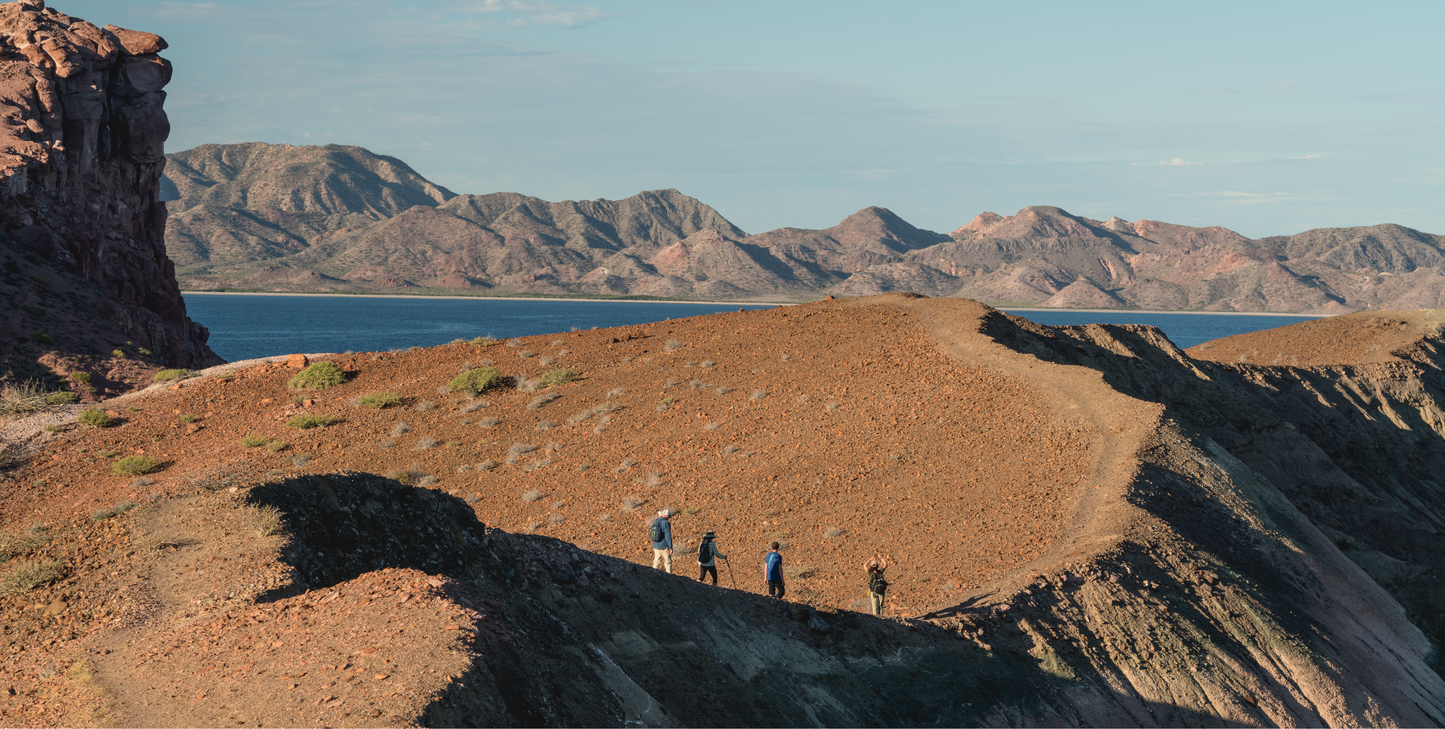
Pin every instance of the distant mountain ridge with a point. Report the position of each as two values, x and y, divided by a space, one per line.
335 218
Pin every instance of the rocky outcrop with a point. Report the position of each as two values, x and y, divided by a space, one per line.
82 129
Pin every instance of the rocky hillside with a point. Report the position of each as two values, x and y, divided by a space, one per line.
86 286
1085 525
281 218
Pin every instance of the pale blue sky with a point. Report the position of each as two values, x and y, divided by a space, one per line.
1267 118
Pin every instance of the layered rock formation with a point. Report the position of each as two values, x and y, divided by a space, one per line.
82 128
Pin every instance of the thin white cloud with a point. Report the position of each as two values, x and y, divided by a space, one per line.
1236 197
539 12
1308 156
1178 162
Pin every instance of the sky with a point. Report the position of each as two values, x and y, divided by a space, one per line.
1265 118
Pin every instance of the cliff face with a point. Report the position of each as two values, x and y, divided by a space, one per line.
82 129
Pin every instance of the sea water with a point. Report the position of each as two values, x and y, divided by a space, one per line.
247 326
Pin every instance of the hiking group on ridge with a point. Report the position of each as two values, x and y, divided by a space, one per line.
660 532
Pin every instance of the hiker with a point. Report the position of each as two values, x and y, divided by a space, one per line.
706 553
661 534
876 584
773 573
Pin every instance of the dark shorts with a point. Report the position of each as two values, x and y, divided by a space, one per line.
776 589
705 570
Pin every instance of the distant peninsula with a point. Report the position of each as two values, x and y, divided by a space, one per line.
281 218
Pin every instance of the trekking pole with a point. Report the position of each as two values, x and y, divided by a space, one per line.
731 579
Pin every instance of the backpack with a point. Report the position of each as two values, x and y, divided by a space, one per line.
876 584
705 552
658 534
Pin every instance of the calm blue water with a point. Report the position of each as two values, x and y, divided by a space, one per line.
1185 330
246 327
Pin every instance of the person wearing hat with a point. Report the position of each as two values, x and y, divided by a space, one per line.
876 584
661 534
706 554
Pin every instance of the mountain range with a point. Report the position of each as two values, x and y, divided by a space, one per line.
338 218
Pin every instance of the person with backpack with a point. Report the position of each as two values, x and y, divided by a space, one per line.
661 534
773 573
876 584
706 554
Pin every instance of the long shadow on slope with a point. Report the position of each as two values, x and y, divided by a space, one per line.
571 637
347 524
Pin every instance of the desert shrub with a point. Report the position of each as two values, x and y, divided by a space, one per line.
524 354
617 392
487 465
518 450
380 400
62 398
488 422
27 576
276 446
833 533
707 363
307 422
557 377
712 426
14 545
480 379
400 428
170 375
532 495
556 519
301 461
723 390
425 406
534 465
253 441
691 510
316 376
23 397
134 466
189 418
484 341
631 503
579 417
41 338
696 384
604 408
475 405
544 425
408 476
82 377
831 405
541 400
96 418
140 482
758 395
544 360
426 480
624 465
53 428
425 443
266 520
602 424
107 453
673 344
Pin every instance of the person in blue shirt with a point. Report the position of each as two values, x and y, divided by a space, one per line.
773 573
661 535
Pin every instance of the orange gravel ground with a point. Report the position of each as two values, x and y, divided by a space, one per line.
837 428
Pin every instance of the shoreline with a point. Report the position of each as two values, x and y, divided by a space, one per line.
490 298
1009 309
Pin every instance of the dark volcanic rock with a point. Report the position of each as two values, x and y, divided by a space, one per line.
81 153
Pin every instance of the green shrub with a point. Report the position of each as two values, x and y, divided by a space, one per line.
53 428
117 353
479 379
276 446
484 341
251 441
317 376
266 520
307 422
144 352
557 377
81 377
62 398
14 545
169 375
96 418
134 466
41 338
107 453
189 418
23 397
27 576
379 400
